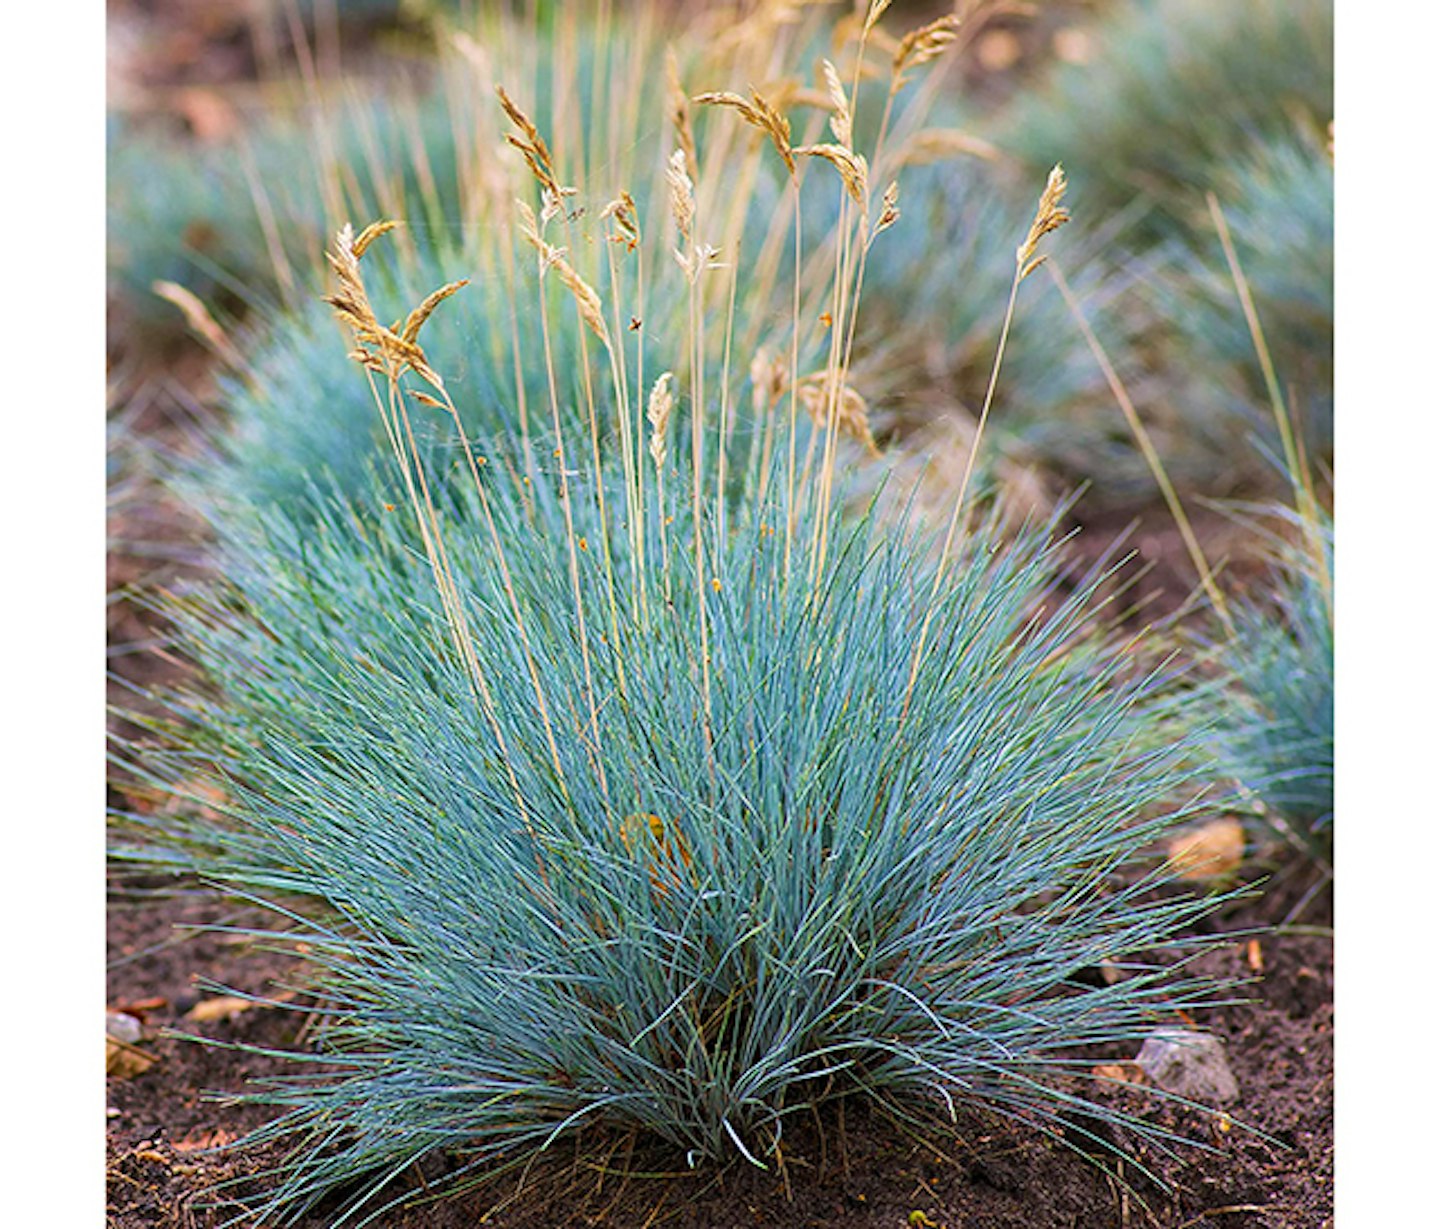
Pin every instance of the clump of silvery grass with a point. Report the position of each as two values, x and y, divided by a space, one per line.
1278 203
1171 91
603 800
1276 731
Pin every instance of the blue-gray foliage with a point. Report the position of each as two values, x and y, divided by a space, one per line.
1277 731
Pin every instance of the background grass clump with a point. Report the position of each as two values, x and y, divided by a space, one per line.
1277 729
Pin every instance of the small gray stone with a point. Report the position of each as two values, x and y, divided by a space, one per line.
1191 1065
123 1027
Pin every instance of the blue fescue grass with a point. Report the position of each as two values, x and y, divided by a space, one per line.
1174 90
642 779
1279 203
833 878
1276 732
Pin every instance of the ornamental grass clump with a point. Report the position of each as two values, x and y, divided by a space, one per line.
1171 91
1276 731
648 782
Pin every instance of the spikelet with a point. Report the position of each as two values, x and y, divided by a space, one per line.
622 212
889 209
841 121
877 8
680 113
1050 215
854 170
370 234
769 377
422 313
852 414
201 322
758 112
922 45
661 405
532 147
551 257
388 351
682 195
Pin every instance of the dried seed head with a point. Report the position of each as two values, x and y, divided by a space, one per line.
662 404
889 209
922 45
422 313
552 257
370 234
623 213
769 377
758 113
697 259
682 194
852 167
532 147
841 121
387 351
199 319
877 7
819 396
1050 215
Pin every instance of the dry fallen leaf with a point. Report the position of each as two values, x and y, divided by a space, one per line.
1124 1073
201 1140
125 1061
1211 851
140 1008
225 1007
1254 957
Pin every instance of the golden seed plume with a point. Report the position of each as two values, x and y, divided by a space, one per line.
852 413
924 44
682 194
370 234
877 8
622 212
852 167
658 411
759 113
201 322
532 147
422 313
1050 215
841 121
388 351
551 257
